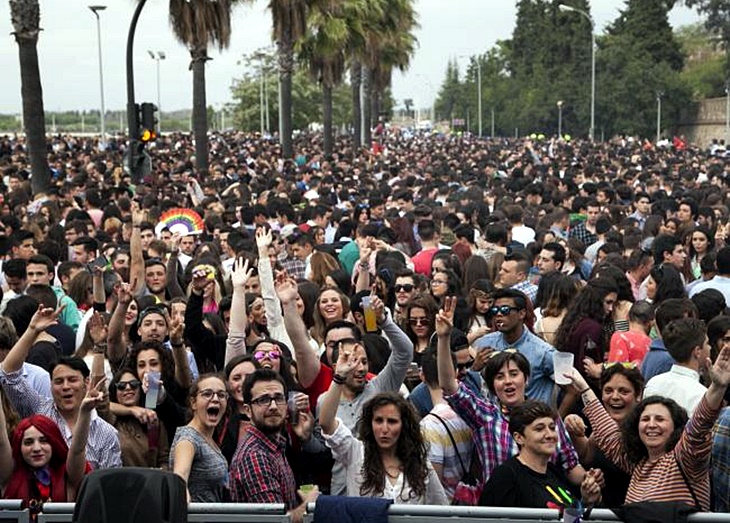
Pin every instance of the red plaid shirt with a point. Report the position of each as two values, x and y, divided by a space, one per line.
260 473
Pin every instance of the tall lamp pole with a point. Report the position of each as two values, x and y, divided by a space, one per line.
95 9
727 113
160 55
564 7
560 118
659 95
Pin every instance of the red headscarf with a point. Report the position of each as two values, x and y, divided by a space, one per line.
22 476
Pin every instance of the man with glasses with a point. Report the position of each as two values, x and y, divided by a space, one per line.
509 311
405 288
260 472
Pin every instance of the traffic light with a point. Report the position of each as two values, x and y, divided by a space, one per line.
148 122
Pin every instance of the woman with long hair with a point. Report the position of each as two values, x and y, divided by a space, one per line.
388 459
405 240
322 264
42 467
332 305
555 293
194 455
667 457
418 322
700 241
621 388
582 331
664 283
475 269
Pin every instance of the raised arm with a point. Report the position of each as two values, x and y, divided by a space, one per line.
173 282
308 365
97 289
183 373
205 344
363 275
401 355
116 348
98 333
444 325
6 454
43 318
76 458
236 342
136 256
346 363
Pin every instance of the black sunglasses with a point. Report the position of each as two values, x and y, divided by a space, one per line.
504 310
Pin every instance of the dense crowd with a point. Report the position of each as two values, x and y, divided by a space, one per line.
437 319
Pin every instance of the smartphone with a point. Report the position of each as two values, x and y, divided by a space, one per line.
153 390
292 408
101 262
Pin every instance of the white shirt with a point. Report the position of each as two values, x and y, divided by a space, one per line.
680 384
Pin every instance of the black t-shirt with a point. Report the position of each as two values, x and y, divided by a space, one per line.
513 484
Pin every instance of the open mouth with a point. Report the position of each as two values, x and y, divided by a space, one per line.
499 324
213 411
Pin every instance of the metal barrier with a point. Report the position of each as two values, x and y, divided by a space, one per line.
197 513
11 511
445 514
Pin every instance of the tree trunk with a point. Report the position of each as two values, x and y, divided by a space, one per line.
286 70
375 115
355 81
367 115
34 120
327 112
200 110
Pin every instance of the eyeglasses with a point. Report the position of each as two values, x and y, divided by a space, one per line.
505 351
131 384
464 366
407 287
272 355
504 310
439 282
266 399
208 394
419 321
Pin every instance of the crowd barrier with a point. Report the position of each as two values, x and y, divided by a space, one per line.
10 512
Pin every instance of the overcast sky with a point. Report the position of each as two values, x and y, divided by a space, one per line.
69 61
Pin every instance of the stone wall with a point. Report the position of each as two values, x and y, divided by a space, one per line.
703 121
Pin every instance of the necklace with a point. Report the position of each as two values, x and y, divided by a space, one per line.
390 474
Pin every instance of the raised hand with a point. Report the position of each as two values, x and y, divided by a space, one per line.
241 273
575 425
577 381
592 368
378 307
177 328
44 317
98 328
94 397
720 371
200 279
286 289
174 242
138 216
263 238
445 317
124 293
346 360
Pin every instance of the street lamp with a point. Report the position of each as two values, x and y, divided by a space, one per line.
659 95
95 9
479 92
564 7
560 118
727 113
160 55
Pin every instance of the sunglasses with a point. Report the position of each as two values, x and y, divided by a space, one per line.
624 364
419 321
464 366
131 384
266 399
504 310
507 351
407 287
272 355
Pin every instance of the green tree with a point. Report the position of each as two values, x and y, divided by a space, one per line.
449 97
717 21
25 15
198 24
704 65
290 25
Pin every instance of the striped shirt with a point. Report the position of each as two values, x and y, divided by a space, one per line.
662 479
491 435
102 448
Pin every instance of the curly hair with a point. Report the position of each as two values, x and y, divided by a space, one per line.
410 448
167 363
633 446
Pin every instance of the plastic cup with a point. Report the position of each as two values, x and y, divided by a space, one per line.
562 364
371 322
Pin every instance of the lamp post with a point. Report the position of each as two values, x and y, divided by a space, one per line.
564 7
560 118
160 55
659 95
492 135
95 9
727 113
479 91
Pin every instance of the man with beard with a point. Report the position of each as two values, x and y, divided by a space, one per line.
509 312
260 472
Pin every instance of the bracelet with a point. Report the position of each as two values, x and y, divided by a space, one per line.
99 348
365 265
339 380
584 391
177 345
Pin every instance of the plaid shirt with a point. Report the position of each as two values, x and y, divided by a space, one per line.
492 439
295 267
260 473
721 463
583 234
526 288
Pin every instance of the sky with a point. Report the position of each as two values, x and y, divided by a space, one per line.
68 51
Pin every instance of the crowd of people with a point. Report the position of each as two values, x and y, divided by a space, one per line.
389 324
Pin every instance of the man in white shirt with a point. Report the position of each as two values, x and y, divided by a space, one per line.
686 341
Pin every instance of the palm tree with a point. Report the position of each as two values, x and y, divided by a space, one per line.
197 24
25 16
290 25
332 26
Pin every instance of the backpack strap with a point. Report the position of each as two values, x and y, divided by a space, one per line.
453 441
